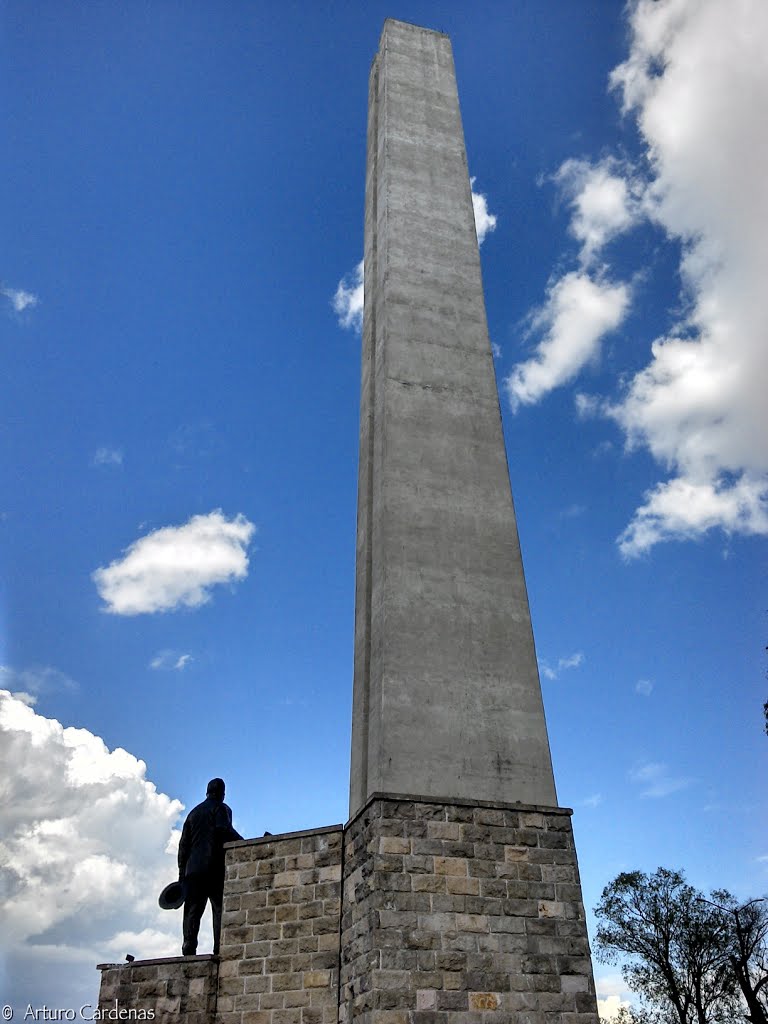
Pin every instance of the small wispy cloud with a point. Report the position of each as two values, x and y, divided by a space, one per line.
605 199
563 664
496 350
108 457
349 297
592 801
485 222
28 684
644 687
580 309
587 406
18 298
176 566
572 511
657 780
170 661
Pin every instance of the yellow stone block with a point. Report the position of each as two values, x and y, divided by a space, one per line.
483 1001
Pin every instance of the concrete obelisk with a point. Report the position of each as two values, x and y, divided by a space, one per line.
461 899
447 700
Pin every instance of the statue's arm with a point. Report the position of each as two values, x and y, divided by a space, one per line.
224 828
183 849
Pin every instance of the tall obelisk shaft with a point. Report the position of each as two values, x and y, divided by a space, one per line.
447 700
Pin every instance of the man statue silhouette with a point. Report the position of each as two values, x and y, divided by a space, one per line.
201 863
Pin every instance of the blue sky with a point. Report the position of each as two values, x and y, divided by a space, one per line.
184 195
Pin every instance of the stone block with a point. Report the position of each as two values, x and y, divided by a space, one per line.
459 885
281 982
287 1016
426 999
451 866
286 879
484 1001
317 979
574 983
256 983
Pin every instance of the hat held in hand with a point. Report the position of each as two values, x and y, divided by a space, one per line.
172 896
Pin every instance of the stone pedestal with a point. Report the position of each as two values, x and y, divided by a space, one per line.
463 912
280 930
420 911
164 990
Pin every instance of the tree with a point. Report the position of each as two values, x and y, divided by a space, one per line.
748 953
678 946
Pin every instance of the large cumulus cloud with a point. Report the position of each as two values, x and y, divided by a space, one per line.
86 844
693 83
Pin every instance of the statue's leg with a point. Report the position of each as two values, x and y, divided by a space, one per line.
216 896
196 897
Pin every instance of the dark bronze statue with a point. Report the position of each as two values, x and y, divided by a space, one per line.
201 863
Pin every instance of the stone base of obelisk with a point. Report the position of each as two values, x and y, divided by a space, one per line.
420 911
462 912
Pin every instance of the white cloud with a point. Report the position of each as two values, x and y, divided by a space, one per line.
176 566
485 222
170 661
592 801
349 297
644 687
695 76
656 780
605 202
573 511
34 681
86 847
563 664
579 311
612 995
20 300
587 406
108 457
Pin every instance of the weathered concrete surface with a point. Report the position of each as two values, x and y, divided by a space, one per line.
447 700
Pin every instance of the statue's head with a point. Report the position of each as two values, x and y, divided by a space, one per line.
215 789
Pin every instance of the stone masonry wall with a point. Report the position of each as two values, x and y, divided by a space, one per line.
173 988
451 914
463 913
280 930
